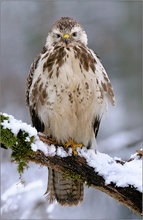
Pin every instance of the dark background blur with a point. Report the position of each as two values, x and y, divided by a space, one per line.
114 33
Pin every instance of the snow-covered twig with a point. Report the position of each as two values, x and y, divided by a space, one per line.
119 179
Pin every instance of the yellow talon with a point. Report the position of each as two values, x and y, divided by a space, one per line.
73 145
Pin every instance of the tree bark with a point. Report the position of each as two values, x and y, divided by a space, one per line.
128 196
75 166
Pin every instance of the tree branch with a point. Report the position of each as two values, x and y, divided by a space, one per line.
27 145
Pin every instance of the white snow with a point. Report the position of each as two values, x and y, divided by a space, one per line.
15 125
39 145
122 175
62 153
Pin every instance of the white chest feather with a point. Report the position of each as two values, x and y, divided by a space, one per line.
68 98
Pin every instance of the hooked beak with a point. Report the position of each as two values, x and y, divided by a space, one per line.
66 38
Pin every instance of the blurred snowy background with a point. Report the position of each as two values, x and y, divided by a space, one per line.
114 33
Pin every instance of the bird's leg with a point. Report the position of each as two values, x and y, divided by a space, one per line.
71 143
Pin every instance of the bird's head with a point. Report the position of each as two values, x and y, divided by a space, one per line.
66 31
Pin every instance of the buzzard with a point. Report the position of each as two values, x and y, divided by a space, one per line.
68 91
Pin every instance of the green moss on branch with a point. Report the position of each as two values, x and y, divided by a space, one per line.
20 144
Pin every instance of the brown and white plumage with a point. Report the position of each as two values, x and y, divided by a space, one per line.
68 91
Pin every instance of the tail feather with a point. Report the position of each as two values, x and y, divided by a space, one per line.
66 191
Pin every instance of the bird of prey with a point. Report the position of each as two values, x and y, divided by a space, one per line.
68 91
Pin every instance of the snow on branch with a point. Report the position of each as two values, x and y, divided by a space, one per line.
119 179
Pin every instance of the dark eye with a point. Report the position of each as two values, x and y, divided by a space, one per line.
74 34
58 35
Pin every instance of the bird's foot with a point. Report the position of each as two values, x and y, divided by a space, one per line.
71 143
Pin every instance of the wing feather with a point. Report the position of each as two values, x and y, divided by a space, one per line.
36 122
96 125
30 76
103 79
